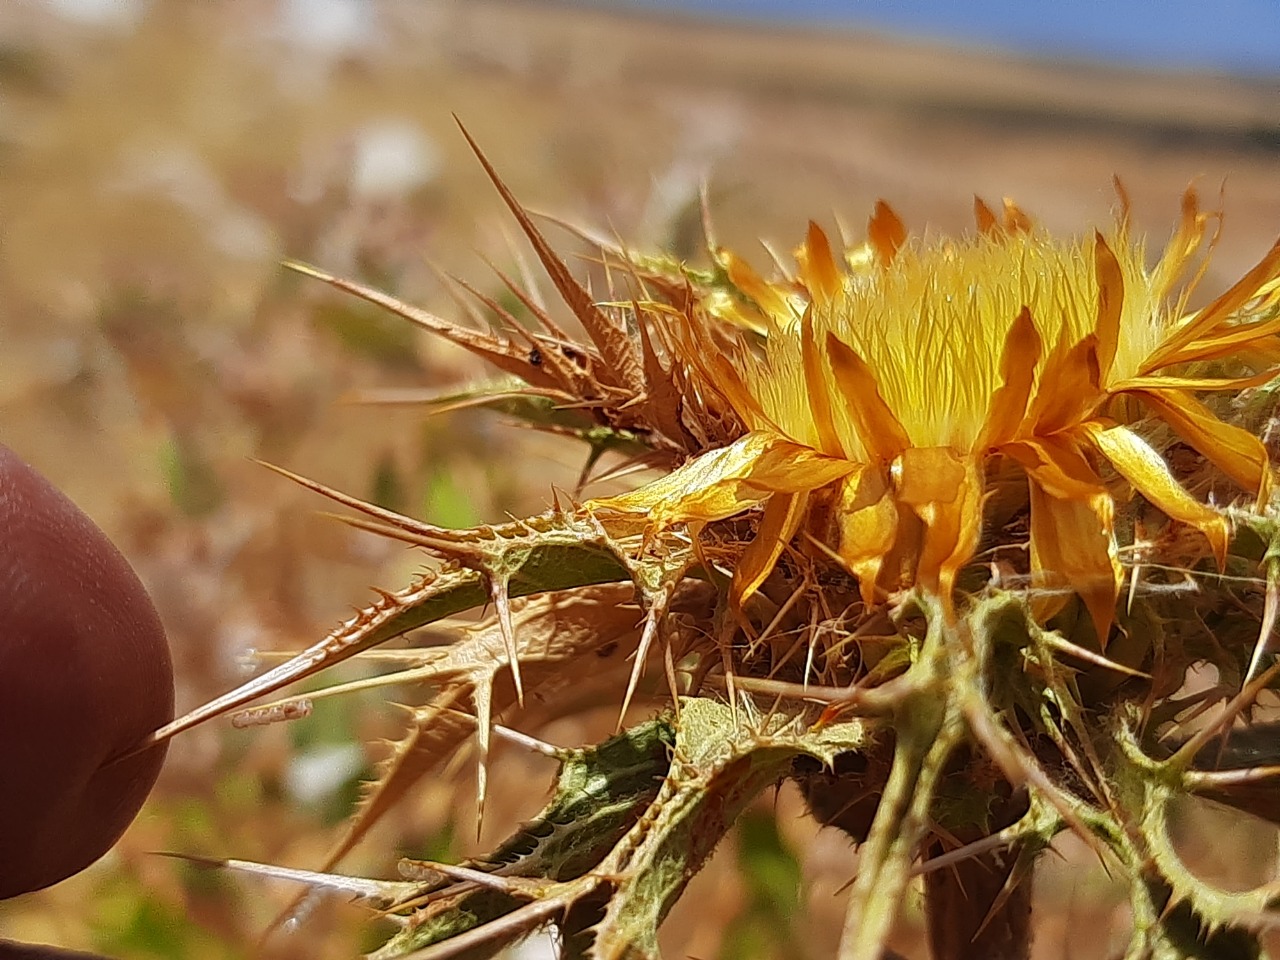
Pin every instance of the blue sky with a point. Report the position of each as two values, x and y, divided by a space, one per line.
1236 36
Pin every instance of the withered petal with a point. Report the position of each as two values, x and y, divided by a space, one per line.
782 516
724 482
1136 461
1073 547
1234 451
1213 322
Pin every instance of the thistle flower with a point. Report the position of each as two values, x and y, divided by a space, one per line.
850 431
887 390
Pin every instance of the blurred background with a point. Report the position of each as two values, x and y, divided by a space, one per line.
159 157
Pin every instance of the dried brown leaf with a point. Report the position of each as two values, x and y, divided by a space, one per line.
622 366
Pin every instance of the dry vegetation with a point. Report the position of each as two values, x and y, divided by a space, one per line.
150 344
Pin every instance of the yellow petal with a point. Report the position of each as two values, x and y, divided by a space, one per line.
719 372
736 312
1018 362
1161 382
1213 321
1073 547
1137 462
984 216
867 520
818 267
1126 206
952 529
872 418
1016 219
1236 452
690 333
1262 353
1182 245
743 276
724 482
1070 386
924 475
1058 465
1110 303
885 233
781 520
818 381
1229 341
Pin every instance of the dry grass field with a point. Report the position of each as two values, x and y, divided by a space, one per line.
153 174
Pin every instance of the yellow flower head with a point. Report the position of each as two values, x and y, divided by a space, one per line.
887 388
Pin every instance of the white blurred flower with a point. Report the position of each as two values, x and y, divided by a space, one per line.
318 773
392 157
100 13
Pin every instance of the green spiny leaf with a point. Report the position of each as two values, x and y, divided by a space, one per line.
599 794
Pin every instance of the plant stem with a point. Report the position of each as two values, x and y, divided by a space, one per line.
969 914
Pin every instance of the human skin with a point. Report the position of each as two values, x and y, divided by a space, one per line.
9 950
85 675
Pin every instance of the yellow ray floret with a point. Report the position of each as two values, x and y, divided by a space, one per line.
886 386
